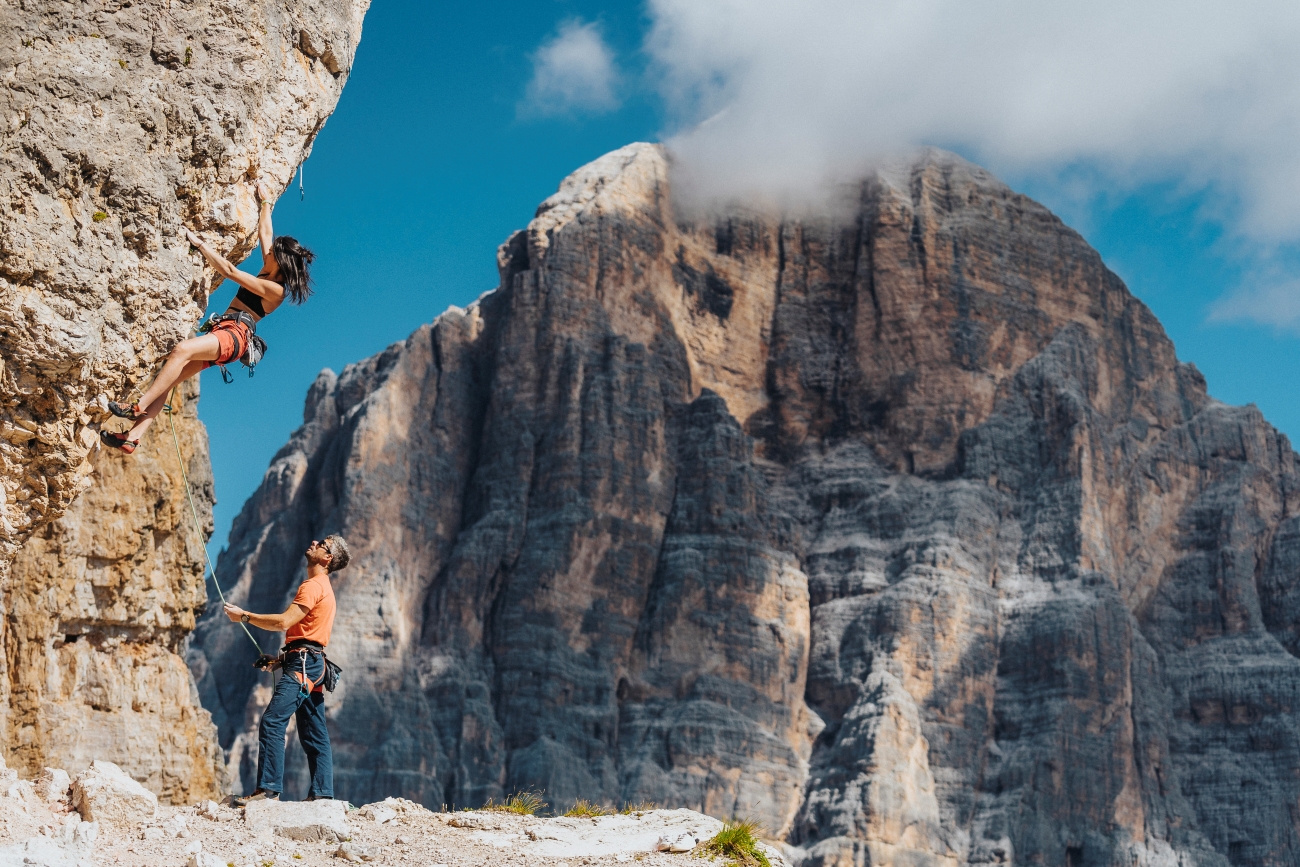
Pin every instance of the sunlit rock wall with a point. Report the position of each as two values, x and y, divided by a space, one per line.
120 122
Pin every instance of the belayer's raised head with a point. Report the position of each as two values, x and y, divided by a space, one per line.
293 260
331 554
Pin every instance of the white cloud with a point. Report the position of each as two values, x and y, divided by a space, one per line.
1268 299
1207 93
572 72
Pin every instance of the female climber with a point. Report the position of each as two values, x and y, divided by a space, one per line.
228 335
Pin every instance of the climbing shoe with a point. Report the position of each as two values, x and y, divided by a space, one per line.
118 441
259 795
131 411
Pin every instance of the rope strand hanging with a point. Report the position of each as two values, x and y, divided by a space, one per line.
194 513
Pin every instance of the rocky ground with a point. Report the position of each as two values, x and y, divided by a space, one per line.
104 817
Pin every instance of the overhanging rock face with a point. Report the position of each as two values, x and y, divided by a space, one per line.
902 531
121 121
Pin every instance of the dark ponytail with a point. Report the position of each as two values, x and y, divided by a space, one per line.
293 259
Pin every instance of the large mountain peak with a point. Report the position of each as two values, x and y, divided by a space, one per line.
897 526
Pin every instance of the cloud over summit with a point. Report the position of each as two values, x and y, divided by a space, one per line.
799 94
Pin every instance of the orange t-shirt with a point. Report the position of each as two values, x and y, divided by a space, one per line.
317 596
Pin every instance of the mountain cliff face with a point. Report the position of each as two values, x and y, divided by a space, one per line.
119 122
901 530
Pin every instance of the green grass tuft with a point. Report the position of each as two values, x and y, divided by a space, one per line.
520 803
99 216
738 843
642 807
586 809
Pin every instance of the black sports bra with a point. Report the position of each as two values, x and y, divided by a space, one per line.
251 300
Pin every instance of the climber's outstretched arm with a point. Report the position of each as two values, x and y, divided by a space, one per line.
266 288
265 236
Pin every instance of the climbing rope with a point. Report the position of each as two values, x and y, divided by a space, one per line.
194 513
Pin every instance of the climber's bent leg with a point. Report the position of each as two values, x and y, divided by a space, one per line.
151 411
271 733
204 347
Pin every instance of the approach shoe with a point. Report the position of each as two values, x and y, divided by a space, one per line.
259 795
118 441
124 410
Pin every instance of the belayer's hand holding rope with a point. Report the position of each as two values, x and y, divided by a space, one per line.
228 336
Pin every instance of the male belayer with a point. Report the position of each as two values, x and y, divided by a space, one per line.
227 336
304 673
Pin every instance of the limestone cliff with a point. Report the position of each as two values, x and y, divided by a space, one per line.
102 600
901 529
119 122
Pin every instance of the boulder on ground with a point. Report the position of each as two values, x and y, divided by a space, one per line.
216 812
299 820
53 785
357 853
105 793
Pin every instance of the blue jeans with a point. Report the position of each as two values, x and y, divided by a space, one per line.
291 699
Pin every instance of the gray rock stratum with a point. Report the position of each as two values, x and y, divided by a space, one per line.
120 121
902 530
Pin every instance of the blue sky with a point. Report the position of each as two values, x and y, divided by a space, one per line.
447 137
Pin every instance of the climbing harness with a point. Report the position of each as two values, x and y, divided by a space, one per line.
194 513
254 348
329 675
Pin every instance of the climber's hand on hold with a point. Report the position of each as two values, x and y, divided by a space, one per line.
263 192
195 240
265 662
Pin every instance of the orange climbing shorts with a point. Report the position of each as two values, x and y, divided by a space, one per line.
232 340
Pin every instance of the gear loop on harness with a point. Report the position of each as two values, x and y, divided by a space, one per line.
254 349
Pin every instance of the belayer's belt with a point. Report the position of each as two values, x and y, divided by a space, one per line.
329 676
